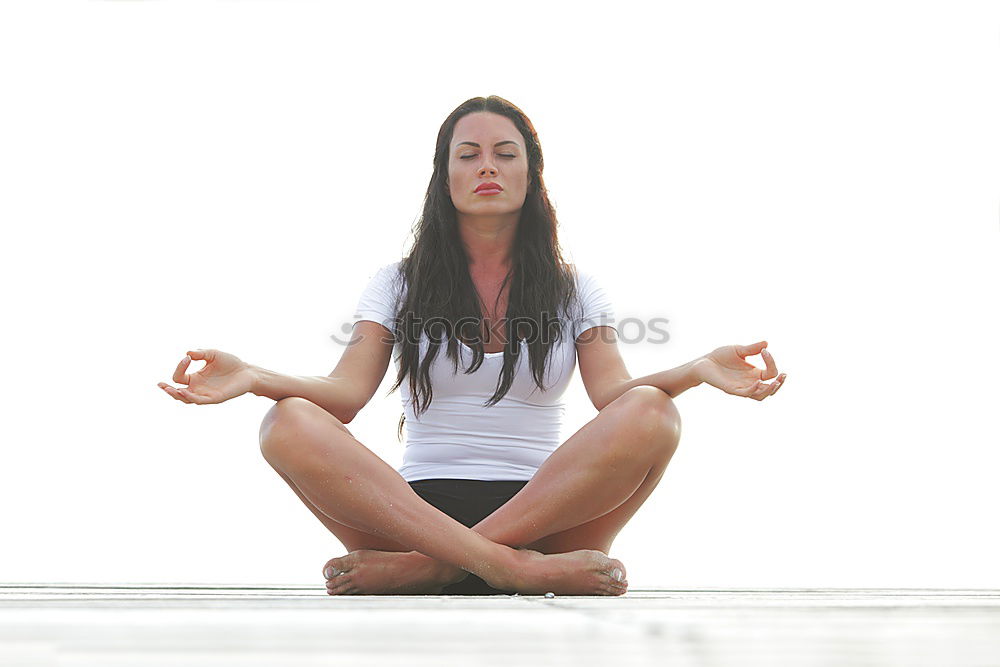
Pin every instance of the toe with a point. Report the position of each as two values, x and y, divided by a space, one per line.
615 579
339 587
617 587
336 566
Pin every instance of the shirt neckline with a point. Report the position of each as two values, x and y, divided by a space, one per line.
487 354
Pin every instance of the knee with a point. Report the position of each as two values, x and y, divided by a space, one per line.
284 424
653 413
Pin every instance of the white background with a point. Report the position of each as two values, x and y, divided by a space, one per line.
177 175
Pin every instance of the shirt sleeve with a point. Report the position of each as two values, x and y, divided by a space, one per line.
597 309
379 300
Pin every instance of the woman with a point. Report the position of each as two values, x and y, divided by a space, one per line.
487 501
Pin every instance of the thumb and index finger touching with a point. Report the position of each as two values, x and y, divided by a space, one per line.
181 375
202 355
760 347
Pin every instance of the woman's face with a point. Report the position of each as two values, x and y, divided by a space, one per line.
487 148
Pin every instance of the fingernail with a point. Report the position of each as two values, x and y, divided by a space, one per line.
617 574
328 572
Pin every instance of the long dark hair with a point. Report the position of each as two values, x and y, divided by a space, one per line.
441 300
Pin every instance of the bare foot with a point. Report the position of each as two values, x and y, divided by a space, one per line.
583 572
372 572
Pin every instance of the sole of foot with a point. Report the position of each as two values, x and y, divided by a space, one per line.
372 572
583 572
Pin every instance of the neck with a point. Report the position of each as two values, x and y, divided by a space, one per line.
488 240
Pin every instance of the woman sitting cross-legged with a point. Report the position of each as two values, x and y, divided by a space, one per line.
486 323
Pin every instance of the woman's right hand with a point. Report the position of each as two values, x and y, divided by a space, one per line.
224 376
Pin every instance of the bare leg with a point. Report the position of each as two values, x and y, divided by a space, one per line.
587 460
376 565
346 481
304 449
388 567
598 471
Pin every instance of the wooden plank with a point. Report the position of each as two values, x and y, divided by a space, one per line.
197 624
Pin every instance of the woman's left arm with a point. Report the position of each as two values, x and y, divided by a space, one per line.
725 368
674 381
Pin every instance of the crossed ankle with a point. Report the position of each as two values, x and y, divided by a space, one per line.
449 574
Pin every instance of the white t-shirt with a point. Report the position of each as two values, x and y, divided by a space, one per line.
458 438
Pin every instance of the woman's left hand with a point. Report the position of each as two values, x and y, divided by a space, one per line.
727 369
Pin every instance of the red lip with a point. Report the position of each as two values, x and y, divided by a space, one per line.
488 186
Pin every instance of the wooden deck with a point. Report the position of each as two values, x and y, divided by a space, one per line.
191 625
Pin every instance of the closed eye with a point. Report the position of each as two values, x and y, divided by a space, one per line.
500 154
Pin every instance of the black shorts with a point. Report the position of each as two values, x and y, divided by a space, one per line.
468 501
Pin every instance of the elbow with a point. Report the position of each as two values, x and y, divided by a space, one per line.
347 415
611 395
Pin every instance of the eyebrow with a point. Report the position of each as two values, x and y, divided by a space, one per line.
499 143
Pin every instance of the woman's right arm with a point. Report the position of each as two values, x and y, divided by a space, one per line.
343 393
336 395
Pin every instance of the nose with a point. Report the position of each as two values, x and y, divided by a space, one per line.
487 169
